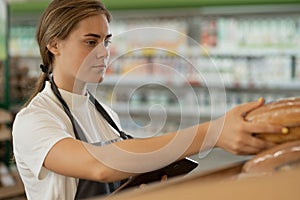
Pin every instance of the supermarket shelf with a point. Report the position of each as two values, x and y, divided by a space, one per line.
253 52
124 109
34 6
131 80
138 80
258 51
237 52
275 85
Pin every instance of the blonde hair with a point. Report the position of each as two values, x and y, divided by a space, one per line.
57 21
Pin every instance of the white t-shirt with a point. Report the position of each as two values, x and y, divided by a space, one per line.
42 124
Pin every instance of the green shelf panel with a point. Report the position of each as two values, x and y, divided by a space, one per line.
151 4
35 6
28 7
4 101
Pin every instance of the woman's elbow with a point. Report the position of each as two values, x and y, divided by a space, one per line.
102 174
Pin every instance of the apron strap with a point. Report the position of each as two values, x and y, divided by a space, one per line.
87 188
76 127
107 117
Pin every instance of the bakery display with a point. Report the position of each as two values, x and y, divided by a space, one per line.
284 112
21 82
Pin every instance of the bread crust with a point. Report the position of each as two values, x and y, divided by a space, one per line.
281 157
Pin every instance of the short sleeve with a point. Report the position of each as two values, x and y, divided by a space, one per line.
34 134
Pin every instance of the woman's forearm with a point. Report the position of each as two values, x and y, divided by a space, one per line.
142 155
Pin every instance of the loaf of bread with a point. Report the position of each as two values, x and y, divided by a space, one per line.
284 112
281 157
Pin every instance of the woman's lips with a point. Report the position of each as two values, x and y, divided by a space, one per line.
99 66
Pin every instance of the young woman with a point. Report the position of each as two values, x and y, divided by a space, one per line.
61 135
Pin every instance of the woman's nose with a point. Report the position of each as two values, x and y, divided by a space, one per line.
102 51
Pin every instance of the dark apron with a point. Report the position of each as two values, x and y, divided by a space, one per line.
87 188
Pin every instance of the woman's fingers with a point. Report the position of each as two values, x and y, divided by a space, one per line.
262 127
237 133
247 107
164 178
249 145
253 144
260 144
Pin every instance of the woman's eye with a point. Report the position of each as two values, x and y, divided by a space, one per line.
91 43
106 43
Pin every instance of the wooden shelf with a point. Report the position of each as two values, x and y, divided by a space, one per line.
13 191
5 117
5 134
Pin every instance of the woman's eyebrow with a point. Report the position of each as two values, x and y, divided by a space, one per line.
108 36
92 35
96 35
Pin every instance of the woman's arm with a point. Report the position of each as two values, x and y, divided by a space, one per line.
71 157
120 160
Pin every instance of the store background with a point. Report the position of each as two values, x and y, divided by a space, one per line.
254 44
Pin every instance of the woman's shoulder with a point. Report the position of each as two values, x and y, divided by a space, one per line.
39 113
43 100
39 103
43 104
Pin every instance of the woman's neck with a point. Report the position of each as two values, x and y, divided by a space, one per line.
70 84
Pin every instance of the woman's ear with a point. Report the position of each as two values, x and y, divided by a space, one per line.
53 47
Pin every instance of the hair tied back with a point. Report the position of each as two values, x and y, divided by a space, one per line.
44 68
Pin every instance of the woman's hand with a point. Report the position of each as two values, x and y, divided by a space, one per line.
237 134
163 178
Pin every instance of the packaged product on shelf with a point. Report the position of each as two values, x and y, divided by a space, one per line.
297 64
6 178
21 82
5 116
2 81
22 41
208 33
